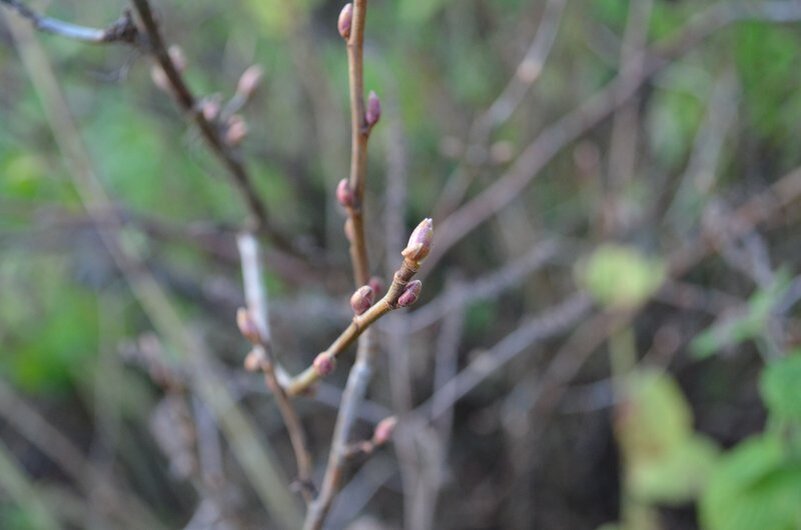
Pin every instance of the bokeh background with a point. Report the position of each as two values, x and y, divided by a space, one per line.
608 329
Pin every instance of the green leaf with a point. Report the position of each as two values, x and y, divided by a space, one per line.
780 386
757 486
620 276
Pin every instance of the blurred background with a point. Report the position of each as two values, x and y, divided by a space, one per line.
608 330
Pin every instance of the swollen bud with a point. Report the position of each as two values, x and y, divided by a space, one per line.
247 326
236 131
210 107
383 431
345 20
324 364
362 299
373 112
377 285
253 361
177 57
419 244
410 294
249 81
345 195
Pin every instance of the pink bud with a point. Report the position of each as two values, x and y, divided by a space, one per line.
410 294
324 364
377 285
383 431
210 107
249 81
247 326
159 78
236 131
362 299
373 112
420 241
345 20
253 361
345 195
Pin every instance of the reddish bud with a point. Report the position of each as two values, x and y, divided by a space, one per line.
247 326
410 294
345 195
383 431
324 364
345 20
362 299
373 112
253 361
377 285
236 131
249 81
210 107
420 241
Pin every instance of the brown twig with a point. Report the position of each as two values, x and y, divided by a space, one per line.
258 315
230 158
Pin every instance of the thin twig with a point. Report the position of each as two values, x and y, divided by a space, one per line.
257 302
122 30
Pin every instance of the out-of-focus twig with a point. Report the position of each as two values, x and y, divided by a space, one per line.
595 109
123 30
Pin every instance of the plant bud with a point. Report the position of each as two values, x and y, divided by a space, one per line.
247 326
362 299
249 81
177 57
419 244
253 361
159 78
236 131
345 195
410 294
377 285
383 431
324 364
373 112
210 107
345 20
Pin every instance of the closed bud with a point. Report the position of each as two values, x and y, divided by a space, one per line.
236 131
345 195
177 57
247 326
373 112
210 107
324 364
362 299
410 294
383 431
345 21
420 241
377 285
249 81
253 361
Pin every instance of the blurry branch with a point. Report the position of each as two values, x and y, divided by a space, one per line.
123 30
16 485
255 324
594 110
254 454
229 156
533 329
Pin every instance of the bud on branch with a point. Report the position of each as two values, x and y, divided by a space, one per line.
345 21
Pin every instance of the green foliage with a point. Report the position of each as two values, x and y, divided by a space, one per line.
666 462
620 276
780 386
748 325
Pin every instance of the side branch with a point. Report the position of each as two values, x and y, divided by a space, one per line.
123 30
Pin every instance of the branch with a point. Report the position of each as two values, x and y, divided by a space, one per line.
594 110
401 293
255 325
230 158
123 30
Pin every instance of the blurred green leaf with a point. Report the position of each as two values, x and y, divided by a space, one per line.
780 386
620 276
